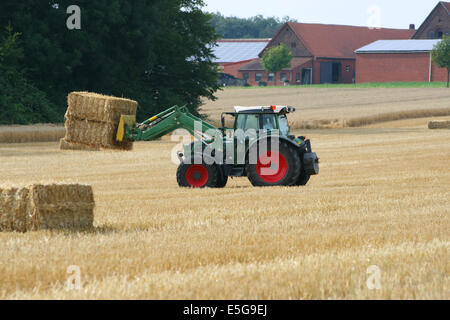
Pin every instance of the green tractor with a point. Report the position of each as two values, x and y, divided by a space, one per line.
258 146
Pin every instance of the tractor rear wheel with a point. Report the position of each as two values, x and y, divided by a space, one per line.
275 168
197 175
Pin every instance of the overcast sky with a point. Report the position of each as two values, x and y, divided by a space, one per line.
386 13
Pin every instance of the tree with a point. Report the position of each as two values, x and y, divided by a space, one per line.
20 101
157 52
277 58
441 55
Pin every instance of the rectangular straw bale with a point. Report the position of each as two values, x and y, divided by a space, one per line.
439 124
51 206
94 134
6 208
62 206
98 107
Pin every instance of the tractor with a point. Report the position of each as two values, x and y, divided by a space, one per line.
258 146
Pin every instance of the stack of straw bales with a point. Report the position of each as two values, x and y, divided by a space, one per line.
92 120
46 206
439 124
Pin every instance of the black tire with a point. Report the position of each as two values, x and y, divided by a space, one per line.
222 179
286 175
303 179
197 175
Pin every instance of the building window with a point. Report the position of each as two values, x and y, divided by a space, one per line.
439 34
347 68
293 44
431 35
271 77
246 76
282 76
258 77
297 77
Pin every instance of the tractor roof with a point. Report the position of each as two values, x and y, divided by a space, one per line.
264 109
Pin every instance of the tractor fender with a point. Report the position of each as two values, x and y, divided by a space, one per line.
280 138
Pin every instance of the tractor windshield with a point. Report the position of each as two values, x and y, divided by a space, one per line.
284 125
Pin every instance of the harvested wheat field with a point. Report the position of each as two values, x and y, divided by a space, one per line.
337 107
381 199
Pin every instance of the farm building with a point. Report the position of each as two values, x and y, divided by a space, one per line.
322 53
437 24
398 60
231 54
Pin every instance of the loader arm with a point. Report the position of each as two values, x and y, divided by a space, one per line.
164 123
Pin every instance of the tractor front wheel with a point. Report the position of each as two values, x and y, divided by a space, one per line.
197 175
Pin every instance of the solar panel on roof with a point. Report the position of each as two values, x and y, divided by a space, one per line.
237 51
399 46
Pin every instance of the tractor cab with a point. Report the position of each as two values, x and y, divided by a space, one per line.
266 118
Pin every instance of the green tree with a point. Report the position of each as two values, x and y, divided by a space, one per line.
441 55
20 101
277 58
157 52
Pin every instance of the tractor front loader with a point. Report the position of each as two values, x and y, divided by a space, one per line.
258 146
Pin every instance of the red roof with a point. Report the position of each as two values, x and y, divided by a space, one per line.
338 41
447 5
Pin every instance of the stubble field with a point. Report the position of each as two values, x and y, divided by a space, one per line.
337 107
380 206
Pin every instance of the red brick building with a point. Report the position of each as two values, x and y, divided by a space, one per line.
398 61
437 24
322 53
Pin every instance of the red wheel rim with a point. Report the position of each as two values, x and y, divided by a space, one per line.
197 175
271 166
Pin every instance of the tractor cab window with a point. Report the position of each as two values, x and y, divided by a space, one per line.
269 122
247 121
284 125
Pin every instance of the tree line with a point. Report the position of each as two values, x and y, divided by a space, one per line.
244 28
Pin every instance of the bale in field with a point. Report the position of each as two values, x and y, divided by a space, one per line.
97 107
51 206
439 124
92 120
94 134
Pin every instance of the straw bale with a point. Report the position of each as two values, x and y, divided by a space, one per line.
97 107
439 124
46 206
94 134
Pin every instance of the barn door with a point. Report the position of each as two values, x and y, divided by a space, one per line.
326 72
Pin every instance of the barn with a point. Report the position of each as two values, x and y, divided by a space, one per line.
322 53
398 60
437 24
231 54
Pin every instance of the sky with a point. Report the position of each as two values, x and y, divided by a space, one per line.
374 13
